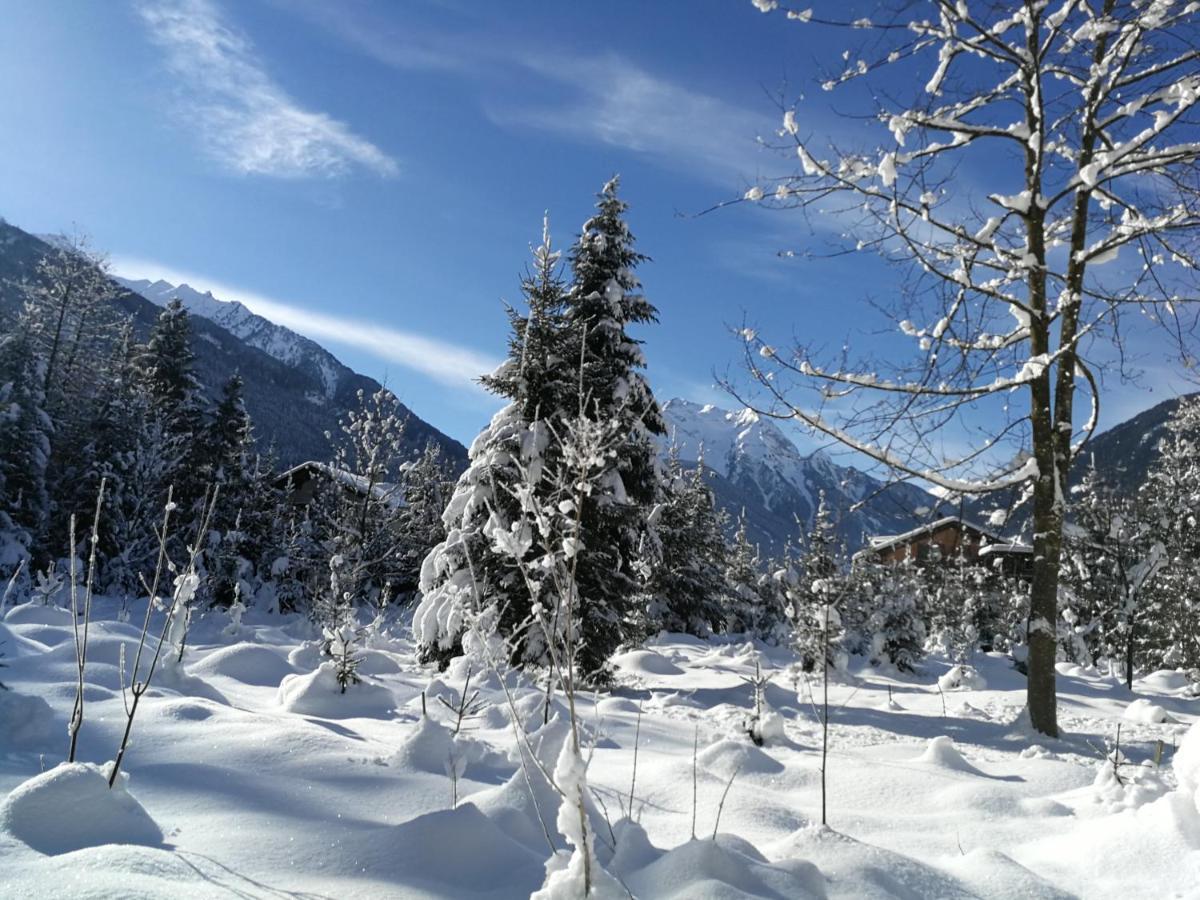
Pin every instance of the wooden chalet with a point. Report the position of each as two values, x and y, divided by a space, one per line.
943 541
302 482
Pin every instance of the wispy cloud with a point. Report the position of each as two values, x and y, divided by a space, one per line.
446 363
619 103
606 98
247 121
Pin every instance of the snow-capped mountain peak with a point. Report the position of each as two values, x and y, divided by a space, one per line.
759 469
276 340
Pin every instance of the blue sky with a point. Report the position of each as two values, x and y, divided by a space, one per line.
373 173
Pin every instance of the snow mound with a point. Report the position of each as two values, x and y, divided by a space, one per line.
991 873
1186 763
1131 787
186 709
646 662
305 657
38 614
770 728
962 678
1142 710
725 757
318 694
463 850
25 721
726 867
856 869
432 748
616 705
24 644
248 663
372 662
941 752
1166 681
71 807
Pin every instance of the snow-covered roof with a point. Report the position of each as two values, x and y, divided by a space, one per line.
385 491
882 542
1013 547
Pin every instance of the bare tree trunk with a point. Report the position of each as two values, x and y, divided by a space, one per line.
1129 654
1047 547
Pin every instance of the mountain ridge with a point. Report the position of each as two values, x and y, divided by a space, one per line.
751 464
292 405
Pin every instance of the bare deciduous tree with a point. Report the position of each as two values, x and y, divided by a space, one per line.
1077 123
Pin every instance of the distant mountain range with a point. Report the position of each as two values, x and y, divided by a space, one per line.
295 390
753 466
1122 456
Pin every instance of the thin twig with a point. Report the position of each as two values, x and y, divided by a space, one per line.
724 794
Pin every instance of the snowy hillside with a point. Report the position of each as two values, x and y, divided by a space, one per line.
250 775
756 467
281 343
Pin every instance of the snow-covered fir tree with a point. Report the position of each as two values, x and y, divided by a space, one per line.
753 601
426 486
174 408
571 362
1171 499
686 587
227 460
25 432
470 573
894 631
1114 558
816 598
603 302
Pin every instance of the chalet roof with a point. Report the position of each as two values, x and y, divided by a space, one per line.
385 491
882 542
1006 547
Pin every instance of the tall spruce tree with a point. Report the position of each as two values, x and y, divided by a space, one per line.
514 464
603 302
1114 558
687 584
166 368
25 431
226 459
1172 500
426 484
753 601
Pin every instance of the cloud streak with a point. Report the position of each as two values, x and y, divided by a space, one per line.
619 103
609 99
446 363
248 123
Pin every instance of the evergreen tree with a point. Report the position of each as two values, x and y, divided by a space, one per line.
1115 557
174 407
603 301
1172 500
25 431
426 484
954 603
894 628
228 441
815 599
752 604
687 586
514 465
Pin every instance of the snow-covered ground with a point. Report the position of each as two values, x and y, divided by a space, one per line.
249 775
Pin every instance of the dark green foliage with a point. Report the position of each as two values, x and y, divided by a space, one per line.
687 587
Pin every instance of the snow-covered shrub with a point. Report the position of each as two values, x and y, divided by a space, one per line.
962 678
341 644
